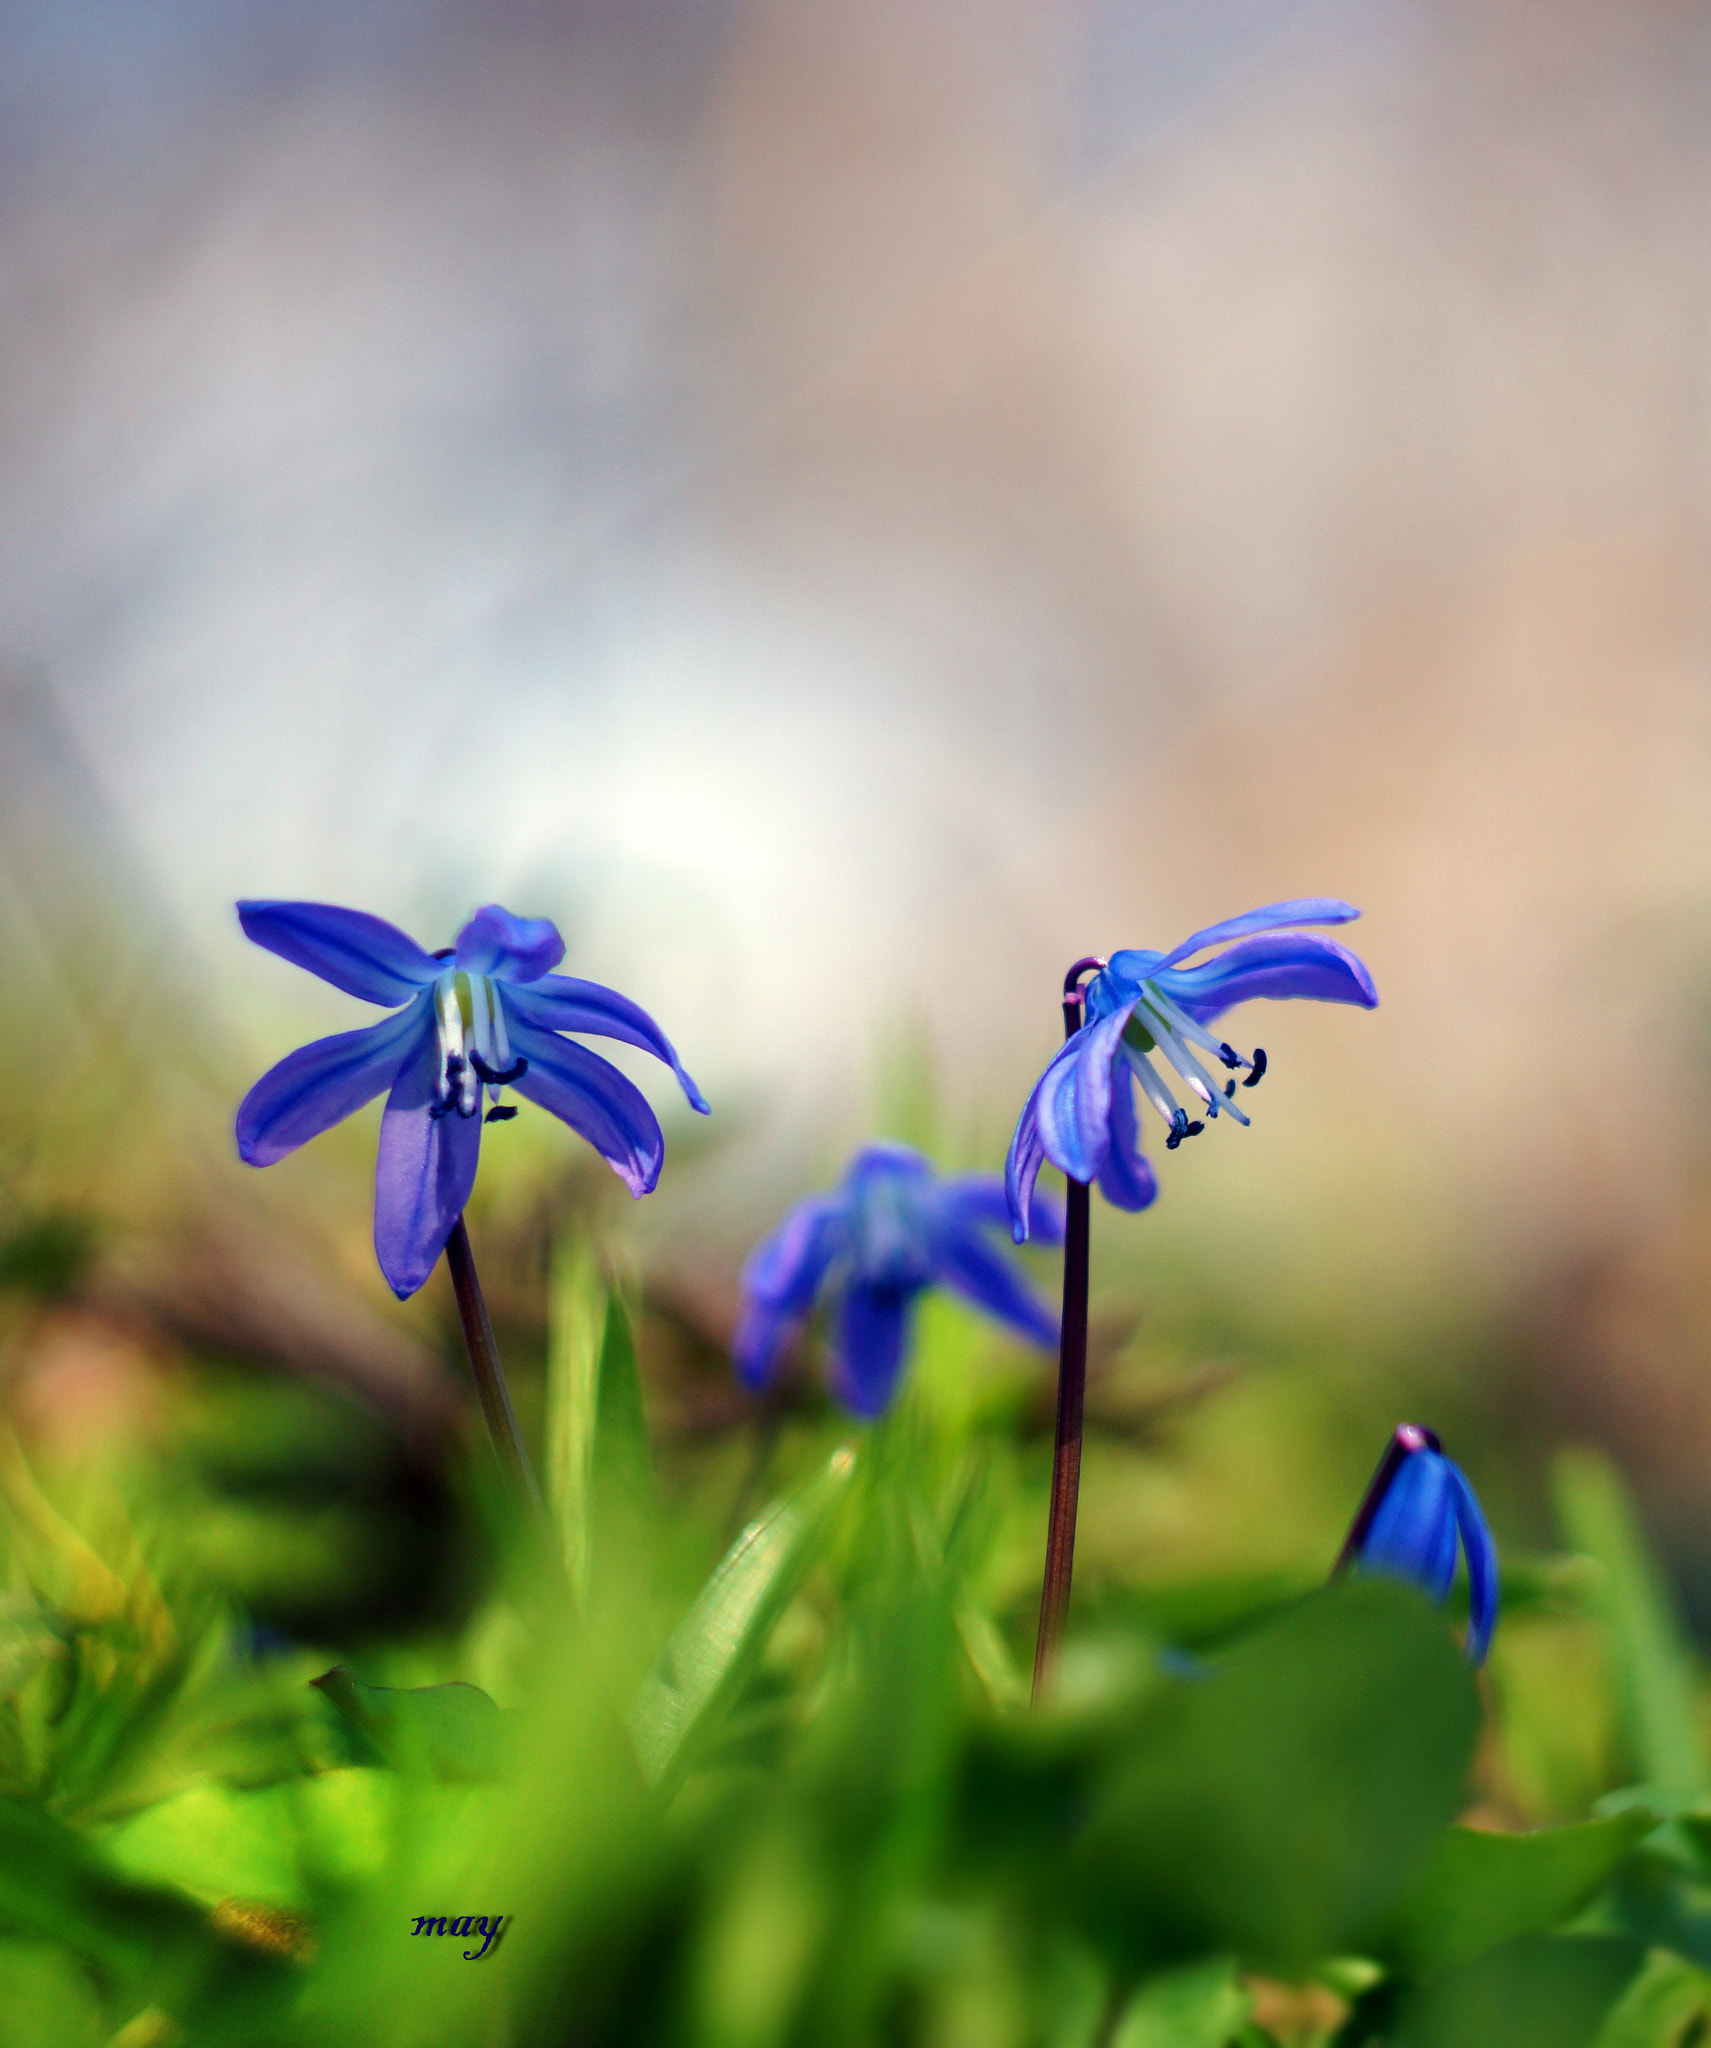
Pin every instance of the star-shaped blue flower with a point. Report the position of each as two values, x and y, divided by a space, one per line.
1416 1508
1145 1006
891 1229
483 1016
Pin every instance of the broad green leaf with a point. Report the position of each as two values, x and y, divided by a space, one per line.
451 1731
1479 1890
1660 2006
1276 1804
718 1642
215 1843
1543 1991
1199 2007
1647 1642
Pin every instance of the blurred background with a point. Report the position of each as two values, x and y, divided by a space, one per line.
847 509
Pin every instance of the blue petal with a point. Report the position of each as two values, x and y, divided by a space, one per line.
1413 1534
423 1175
984 1198
509 948
762 1334
1073 1099
1481 1555
1126 1179
557 1002
363 955
977 1269
1022 1165
317 1085
590 1095
1300 964
872 1324
784 1271
1270 917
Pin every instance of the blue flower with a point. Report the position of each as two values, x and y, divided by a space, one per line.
482 1016
1081 1115
890 1230
1417 1506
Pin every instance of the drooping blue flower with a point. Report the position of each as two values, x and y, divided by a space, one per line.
484 1015
891 1229
1416 1508
1144 1005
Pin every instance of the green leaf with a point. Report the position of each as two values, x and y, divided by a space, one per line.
719 1641
450 1731
1200 2007
1542 1991
1659 2006
599 1466
1647 1642
1480 1890
1276 1805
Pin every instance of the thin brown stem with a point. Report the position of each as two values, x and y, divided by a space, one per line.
485 1370
1071 1399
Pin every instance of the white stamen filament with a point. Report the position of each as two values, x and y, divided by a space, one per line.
1151 1086
1183 1060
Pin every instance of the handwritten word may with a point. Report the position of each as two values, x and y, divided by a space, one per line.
468 1928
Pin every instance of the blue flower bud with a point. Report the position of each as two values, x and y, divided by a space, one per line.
1418 1505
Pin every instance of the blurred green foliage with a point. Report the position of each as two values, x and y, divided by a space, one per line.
784 1788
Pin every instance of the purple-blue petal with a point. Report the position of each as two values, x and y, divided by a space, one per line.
785 1270
590 1095
1022 1165
872 1325
762 1335
984 1198
559 1002
1074 1107
1413 1534
977 1269
509 948
423 1175
317 1085
1281 966
1270 917
1481 1555
363 955
1126 1178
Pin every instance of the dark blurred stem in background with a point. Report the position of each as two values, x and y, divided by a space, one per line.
489 1378
1071 1396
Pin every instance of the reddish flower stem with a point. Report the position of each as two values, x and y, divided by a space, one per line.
485 1370
1071 1397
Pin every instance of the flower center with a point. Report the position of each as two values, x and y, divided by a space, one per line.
475 1049
1159 1025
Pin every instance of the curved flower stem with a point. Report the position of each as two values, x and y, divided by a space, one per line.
1071 1396
489 1379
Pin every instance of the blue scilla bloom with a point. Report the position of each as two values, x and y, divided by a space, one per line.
1146 1008
1416 1509
891 1229
480 1017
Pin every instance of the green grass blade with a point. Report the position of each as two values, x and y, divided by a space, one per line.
1647 1642
718 1642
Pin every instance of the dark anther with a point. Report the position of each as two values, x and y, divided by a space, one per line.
1171 1143
1229 1055
1258 1074
441 1109
513 1072
1229 1088
1179 1129
1193 1130
454 1066
500 1113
